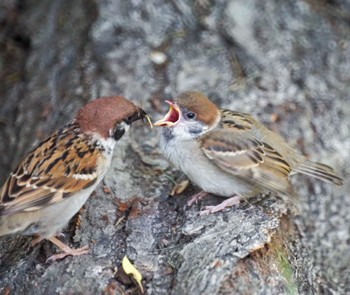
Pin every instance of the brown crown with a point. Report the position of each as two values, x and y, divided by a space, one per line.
197 102
102 114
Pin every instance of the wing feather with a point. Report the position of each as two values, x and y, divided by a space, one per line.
237 151
63 164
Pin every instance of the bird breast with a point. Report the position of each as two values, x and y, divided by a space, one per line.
187 156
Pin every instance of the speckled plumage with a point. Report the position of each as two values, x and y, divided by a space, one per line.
67 162
228 152
54 180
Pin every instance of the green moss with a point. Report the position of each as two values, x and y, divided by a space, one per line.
286 270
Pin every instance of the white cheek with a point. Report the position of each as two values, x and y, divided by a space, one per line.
126 127
108 144
185 130
181 131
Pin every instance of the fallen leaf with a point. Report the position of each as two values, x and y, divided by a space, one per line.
123 206
179 187
274 118
129 269
7 291
136 209
106 190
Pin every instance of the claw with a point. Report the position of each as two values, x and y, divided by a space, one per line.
67 251
197 197
72 252
225 204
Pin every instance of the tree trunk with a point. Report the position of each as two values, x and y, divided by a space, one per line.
286 62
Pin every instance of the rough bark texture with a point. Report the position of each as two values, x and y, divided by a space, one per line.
286 62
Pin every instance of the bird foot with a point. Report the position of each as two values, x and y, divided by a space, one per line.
37 240
67 251
225 204
71 252
197 197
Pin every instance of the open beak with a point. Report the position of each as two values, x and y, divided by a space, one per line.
172 117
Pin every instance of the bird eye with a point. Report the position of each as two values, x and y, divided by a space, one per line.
190 115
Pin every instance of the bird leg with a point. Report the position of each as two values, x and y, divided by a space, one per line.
66 250
234 200
197 197
36 240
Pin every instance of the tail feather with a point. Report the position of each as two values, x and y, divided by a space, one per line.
319 171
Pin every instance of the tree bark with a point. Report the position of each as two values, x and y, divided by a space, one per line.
286 62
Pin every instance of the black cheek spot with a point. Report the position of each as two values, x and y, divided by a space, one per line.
118 133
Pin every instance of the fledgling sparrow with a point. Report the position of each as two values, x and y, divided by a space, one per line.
54 180
228 153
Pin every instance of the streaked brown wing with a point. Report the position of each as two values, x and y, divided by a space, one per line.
59 166
244 156
236 122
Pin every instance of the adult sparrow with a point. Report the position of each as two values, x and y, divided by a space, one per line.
230 154
54 180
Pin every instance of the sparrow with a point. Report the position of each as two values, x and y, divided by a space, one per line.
54 179
230 154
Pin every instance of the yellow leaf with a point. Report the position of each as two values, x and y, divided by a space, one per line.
129 269
179 187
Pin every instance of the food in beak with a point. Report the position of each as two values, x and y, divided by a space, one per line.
172 116
149 121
